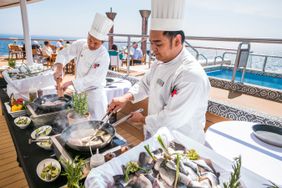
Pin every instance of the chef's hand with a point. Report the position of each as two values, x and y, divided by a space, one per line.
119 102
137 117
66 85
58 71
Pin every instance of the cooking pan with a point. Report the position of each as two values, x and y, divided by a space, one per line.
40 102
73 134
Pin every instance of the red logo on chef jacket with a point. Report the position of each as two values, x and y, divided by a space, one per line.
173 91
96 66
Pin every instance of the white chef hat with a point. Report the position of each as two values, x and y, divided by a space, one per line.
100 27
167 15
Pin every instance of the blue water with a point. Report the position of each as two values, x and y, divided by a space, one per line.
261 80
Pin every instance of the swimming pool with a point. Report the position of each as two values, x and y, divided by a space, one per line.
251 78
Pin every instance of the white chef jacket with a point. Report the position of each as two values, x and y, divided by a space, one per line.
91 71
178 96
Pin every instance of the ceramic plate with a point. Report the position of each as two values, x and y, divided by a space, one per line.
268 134
41 131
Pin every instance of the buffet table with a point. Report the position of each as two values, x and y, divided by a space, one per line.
28 155
234 138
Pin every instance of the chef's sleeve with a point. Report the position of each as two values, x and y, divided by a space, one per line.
96 75
65 55
186 101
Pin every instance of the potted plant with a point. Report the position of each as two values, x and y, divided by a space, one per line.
80 109
12 63
74 171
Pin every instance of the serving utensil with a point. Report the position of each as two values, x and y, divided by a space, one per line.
39 139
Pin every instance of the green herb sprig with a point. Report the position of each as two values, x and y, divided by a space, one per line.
235 175
177 170
130 168
160 140
147 148
74 172
80 104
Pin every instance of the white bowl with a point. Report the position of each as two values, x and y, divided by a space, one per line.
22 122
45 144
43 131
43 164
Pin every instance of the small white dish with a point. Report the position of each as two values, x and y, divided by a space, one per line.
48 170
22 122
47 145
41 131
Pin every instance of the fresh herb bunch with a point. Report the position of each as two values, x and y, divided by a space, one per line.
193 155
177 170
160 140
234 181
12 62
80 104
147 148
74 172
131 168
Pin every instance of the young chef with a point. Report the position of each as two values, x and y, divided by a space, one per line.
177 87
92 62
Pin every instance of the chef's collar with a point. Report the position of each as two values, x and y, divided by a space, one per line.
176 59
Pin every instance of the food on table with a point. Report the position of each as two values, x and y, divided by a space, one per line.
49 171
46 144
109 156
93 138
16 107
22 120
53 103
168 166
41 131
16 104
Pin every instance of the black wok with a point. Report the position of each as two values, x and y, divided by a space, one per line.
65 102
86 129
72 134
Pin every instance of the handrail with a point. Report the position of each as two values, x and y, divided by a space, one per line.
196 51
236 39
256 55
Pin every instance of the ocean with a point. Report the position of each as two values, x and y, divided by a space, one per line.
274 64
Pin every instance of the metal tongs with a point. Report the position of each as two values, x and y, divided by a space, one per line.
39 139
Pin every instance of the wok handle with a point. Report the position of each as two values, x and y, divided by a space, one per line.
125 118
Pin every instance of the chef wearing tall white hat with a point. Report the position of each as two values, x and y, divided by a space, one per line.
92 62
177 87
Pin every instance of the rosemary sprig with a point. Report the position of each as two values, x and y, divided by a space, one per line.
235 175
147 148
177 170
273 185
73 172
160 140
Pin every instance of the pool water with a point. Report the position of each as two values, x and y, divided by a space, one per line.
251 78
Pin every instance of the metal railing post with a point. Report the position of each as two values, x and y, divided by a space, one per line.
128 54
264 63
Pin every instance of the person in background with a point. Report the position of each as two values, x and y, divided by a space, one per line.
67 44
92 62
47 50
137 54
59 45
177 86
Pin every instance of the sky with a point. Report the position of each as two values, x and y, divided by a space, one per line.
222 18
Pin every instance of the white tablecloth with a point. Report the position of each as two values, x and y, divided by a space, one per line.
102 176
234 138
117 88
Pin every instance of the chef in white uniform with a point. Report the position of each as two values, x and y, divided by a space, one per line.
92 62
177 87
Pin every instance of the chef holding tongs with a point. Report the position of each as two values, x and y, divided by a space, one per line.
92 62
177 87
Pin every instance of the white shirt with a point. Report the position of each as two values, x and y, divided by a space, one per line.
59 45
91 70
47 51
182 109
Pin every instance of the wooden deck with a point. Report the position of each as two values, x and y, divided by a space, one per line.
12 176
